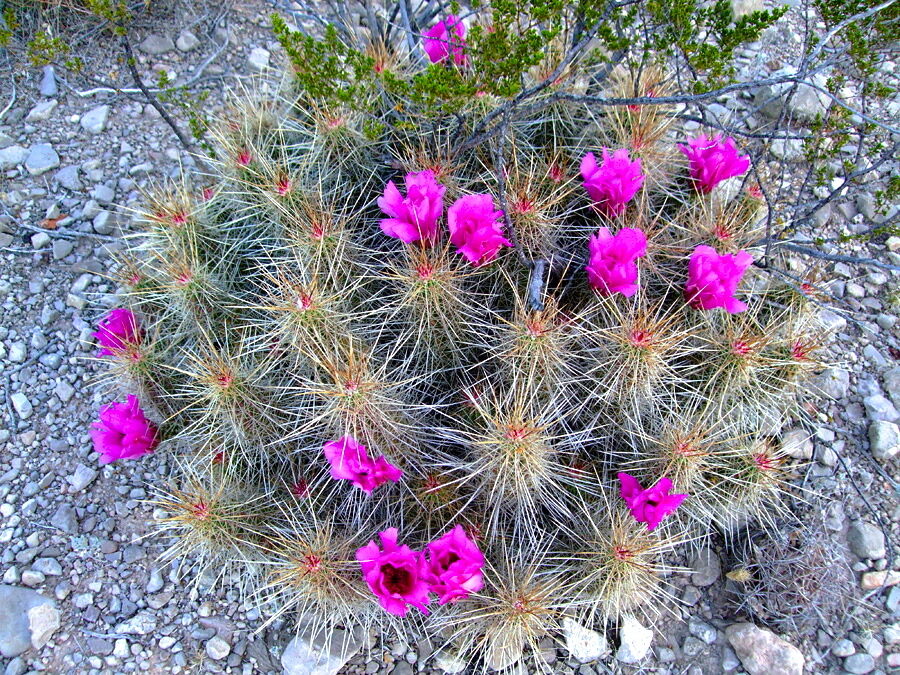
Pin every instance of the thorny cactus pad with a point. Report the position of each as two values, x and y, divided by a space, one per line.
357 333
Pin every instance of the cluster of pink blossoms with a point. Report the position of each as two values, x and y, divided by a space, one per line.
713 160
614 182
650 505
400 576
444 39
473 221
123 431
612 267
350 460
713 279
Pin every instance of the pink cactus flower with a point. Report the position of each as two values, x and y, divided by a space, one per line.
713 160
396 574
414 217
649 506
123 431
454 566
350 461
445 38
612 267
117 331
475 228
613 183
713 279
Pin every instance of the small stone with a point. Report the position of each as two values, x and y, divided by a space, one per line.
48 82
103 194
40 240
635 641
859 664
832 382
702 630
306 655
121 649
41 158
142 623
12 157
18 352
450 662
156 44
68 178
42 111
62 248
866 540
707 568
83 476
15 628
65 519
797 444
583 644
879 409
762 652
884 440
187 41
22 405
842 648
47 566
43 622
881 578
258 59
94 121
217 649
32 579
102 223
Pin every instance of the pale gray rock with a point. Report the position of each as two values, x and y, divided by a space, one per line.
12 156
866 540
762 652
879 409
258 59
742 7
41 158
22 405
142 623
584 645
103 194
43 622
859 664
706 568
217 648
83 476
884 440
94 121
68 177
797 444
48 82
156 44
635 641
15 632
805 103
324 654
42 111
187 41
62 248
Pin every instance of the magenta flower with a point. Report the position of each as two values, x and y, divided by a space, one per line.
612 267
444 38
414 217
396 574
350 461
651 505
713 279
475 228
454 566
713 160
613 183
123 432
116 331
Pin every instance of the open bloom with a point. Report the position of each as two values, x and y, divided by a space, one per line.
612 267
475 228
713 160
395 573
613 183
123 431
651 505
414 217
116 331
713 279
445 38
350 461
454 566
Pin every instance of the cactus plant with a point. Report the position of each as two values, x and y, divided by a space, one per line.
400 374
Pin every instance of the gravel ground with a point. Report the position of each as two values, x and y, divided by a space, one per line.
77 558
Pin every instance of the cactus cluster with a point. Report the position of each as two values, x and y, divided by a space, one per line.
319 378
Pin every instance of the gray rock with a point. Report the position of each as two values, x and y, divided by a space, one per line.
187 41
156 44
47 566
859 664
94 120
12 156
83 476
217 649
449 662
762 652
103 194
797 443
142 623
635 641
48 82
787 149
41 158
866 540
68 178
18 352
842 648
15 633
741 7
22 405
40 240
258 59
42 111
878 408
584 645
884 440
805 102
892 384
62 248
103 223
65 519
43 622
707 568
319 655
702 630
832 382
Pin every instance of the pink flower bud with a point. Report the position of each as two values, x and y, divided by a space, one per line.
612 267
649 506
475 228
713 279
414 217
395 574
350 461
612 184
713 160
123 432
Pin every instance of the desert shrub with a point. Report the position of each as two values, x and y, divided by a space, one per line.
423 336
